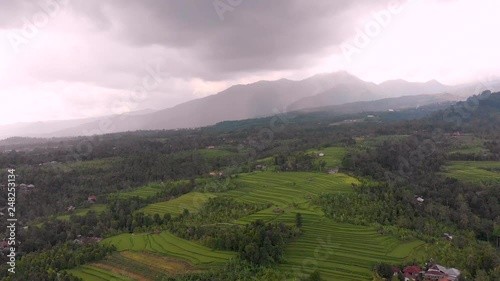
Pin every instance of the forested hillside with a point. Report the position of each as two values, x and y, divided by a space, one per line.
297 196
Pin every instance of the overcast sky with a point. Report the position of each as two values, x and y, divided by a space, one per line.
81 58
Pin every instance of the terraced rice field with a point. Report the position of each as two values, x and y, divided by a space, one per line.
191 201
342 251
94 273
172 246
338 251
473 171
284 189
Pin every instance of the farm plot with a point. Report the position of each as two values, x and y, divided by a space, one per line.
342 251
94 273
98 208
191 201
285 189
473 171
331 155
170 245
339 251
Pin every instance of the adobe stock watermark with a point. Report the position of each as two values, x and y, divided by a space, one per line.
49 9
223 6
379 20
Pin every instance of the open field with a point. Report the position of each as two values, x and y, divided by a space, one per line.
98 208
94 273
332 155
468 144
288 188
473 171
170 245
191 201
342 251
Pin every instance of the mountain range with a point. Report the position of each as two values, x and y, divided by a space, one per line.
263 98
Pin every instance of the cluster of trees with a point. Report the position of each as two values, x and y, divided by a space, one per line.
47 264
238 269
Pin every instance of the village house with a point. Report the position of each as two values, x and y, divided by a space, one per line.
92 199
210 147
438 272
447 236
412 273
320 154
70 208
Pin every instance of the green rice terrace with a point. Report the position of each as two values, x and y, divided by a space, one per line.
338 251
473 171
191 201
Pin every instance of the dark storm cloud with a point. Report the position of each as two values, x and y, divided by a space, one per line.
256 35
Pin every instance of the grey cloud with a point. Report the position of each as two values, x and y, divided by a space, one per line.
258 35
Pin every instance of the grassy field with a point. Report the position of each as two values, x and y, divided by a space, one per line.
94 273
342 251
170 245
149 190
332 156
284 189
473 171
191 201
98 208
468 144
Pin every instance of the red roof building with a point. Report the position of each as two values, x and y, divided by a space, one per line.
412 272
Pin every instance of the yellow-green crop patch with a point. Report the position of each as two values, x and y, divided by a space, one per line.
288 188
98 208
170 245
149 190
331 155
93 273
191 201
473 171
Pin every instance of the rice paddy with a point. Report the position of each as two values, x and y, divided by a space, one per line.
172 246
191 201
473 171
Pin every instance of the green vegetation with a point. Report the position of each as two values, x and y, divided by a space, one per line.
98 208
342 251
214 153
332 156
191 201
170 245
149 190
93 273
473 171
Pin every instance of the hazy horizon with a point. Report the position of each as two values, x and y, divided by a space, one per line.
73 59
